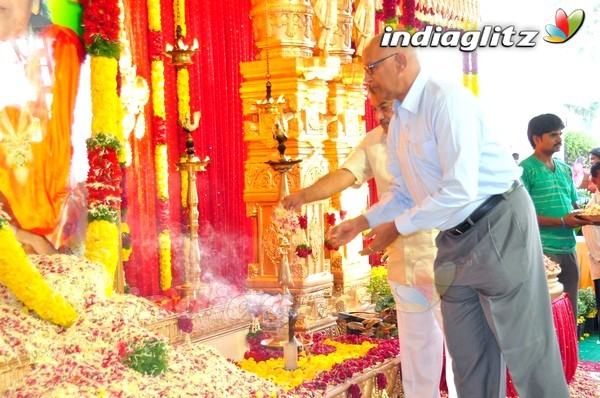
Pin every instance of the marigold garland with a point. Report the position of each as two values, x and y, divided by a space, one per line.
161 159
105 99
28 285
164 242
183 93
162 171
102 246
158 88
154 19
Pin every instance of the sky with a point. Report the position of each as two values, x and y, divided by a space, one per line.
517 84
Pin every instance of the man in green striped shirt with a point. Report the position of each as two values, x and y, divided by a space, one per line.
550 185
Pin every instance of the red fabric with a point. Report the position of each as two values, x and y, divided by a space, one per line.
225 38
141 271
564 324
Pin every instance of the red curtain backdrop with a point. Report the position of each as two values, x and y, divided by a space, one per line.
225 37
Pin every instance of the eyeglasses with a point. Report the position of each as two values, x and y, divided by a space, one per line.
369 68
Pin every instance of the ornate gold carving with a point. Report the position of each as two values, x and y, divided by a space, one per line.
253 270
336 261
341 43
322 309
286 28
300 270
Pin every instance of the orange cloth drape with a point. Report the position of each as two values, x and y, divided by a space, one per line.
37 203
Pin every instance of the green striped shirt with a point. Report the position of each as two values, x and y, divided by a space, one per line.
553 194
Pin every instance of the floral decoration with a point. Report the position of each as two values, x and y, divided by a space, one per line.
159 138
303 221
26 282
126 244
101 27
164 243
101 21
354 391
320 369
381 380
303 250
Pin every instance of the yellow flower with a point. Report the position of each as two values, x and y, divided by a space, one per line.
183 93
308 366
154 15
158 88
102 246
28 285
105 98
164 242
161 166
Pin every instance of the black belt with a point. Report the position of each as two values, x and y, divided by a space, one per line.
482 210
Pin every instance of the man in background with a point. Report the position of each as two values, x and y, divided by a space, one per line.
550 185
410 264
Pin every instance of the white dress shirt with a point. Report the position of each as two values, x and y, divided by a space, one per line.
443 158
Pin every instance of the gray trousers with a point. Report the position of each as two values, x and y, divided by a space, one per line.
496 305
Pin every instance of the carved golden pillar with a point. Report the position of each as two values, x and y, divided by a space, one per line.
324 109
303 82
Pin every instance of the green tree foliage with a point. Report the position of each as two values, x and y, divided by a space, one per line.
577 144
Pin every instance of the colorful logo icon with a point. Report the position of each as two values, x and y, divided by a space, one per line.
565 27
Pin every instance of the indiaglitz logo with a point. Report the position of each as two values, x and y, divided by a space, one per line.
565 27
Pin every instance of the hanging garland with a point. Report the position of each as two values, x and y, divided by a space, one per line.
101 36
26 283
161 161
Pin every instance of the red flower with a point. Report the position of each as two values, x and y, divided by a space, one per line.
303 220
354 391
343 214
330 219
185 323
303 250
381 380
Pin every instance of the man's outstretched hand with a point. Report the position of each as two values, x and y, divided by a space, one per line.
383 235
346 231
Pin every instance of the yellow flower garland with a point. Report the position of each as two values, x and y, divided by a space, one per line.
28 285
158 89
105 98
154 22
164 241
183 93
102 246
179 11
161 165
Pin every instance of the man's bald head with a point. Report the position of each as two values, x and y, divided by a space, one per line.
389 71
375 49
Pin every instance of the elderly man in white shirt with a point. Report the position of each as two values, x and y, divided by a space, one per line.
410 264
450 172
